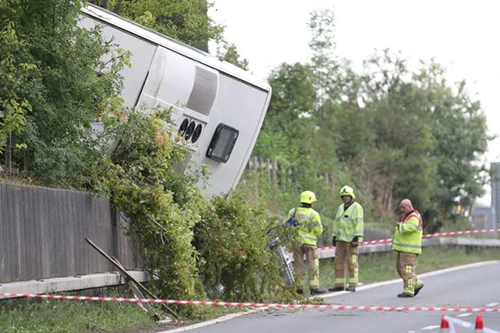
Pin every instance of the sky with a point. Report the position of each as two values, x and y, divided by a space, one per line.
461 35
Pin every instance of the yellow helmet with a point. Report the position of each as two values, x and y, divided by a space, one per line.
347 190
307 197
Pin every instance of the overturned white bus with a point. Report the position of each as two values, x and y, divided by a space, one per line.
218 107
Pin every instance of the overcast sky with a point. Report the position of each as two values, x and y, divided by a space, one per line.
462 35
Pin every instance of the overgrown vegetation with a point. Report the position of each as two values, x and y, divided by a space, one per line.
59 93
56 81
391 131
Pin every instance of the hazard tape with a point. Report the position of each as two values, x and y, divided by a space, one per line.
466 324
436 235
253 305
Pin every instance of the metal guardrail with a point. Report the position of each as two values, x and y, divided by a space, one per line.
386 247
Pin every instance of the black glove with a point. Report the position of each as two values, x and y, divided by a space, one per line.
355 241
334 241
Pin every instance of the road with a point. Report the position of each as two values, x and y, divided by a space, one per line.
475 285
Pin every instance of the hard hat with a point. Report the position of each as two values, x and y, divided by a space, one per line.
347 190
307 197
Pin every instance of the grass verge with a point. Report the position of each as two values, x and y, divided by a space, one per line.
66 316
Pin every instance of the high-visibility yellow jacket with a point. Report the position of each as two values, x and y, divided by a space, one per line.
308 223
408 234
349 222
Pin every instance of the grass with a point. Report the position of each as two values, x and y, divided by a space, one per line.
28 316
23 316
381 266
67 316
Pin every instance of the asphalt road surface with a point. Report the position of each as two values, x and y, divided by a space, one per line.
476 285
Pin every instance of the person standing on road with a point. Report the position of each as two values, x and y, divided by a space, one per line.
308 222
407 242
348 229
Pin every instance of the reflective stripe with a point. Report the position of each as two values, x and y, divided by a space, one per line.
407 245
415 225
352 219
341 235
409 223
314 239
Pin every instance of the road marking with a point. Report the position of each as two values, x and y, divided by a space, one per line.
492 304
431 327
385 283
364 287
464 315
210 322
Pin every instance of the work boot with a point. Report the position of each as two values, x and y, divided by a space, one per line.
336 288
417 289
317 291
405 295
351 288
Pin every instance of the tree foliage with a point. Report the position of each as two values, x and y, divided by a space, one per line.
143 182
228 52
186 21
392 130
54 92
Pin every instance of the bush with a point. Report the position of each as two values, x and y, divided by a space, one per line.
234 261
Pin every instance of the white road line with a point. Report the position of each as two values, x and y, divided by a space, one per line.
431 327
441 271
364 287
210 322
492 304
464 314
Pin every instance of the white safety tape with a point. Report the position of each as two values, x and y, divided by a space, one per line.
465 324
436 235
255 305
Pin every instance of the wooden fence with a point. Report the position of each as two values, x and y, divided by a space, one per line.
273 170
43 230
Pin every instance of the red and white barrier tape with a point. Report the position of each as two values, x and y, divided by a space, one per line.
440 234
478 326
254 305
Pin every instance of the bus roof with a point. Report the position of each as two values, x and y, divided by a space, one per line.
190 52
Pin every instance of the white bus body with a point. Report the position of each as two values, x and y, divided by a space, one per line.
218 106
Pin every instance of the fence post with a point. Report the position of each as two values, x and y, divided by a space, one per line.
274 171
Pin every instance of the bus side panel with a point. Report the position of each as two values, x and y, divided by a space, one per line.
142 54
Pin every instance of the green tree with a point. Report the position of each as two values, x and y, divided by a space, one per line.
230 54
19 73
434 134
461 132
401 163
186 21
62 94
289 127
